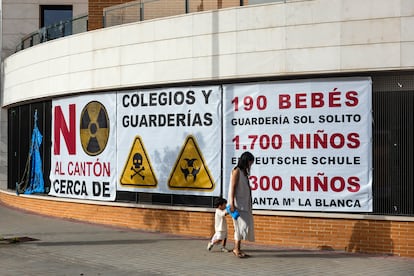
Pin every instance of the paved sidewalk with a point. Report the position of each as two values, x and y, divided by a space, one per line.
50 246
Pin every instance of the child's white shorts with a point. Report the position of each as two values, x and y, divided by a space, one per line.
220 235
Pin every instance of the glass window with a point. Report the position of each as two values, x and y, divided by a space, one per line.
50 15
55 21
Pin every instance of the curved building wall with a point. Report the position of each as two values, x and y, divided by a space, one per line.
298 38
303 37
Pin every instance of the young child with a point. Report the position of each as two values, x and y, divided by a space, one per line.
220 226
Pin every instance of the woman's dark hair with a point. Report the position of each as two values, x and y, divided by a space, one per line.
243 163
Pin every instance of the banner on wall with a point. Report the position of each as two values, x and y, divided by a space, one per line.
169 140
311 140
83 161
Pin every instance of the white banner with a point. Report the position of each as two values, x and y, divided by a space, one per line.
311 140
169 140
83 162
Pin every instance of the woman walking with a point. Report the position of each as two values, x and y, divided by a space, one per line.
240 199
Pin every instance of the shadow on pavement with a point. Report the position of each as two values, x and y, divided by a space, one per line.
102 242
299 253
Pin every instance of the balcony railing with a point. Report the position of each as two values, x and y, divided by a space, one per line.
61 29
150 9
131 12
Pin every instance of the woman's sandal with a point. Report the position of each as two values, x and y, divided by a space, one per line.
239 254
244 254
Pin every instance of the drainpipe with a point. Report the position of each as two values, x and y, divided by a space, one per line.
141 11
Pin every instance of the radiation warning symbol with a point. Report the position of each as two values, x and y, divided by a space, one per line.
138 170
94 128
190 171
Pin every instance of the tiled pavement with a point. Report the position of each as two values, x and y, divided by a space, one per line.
50 246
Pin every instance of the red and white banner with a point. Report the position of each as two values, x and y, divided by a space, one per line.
83 161
311 140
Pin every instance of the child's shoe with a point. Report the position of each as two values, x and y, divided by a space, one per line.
223 249
209 246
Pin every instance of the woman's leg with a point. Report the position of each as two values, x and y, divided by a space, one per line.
236 250
237 246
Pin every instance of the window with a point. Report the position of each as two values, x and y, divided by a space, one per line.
55 21
50 15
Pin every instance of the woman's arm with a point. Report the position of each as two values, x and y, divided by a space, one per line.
234 180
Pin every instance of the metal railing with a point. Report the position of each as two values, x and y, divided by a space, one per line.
150 9
130 12
61 29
